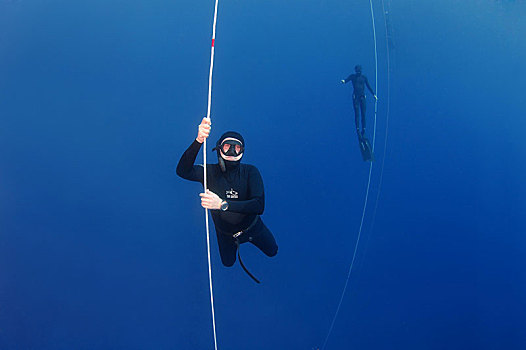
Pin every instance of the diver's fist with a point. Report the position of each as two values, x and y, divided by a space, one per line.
210 200
343 81
204 130
375 97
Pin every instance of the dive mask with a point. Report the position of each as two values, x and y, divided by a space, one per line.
231 147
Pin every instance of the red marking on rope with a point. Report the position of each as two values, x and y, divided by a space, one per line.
213 42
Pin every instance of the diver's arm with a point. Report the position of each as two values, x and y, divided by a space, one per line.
256 203
186 168
346 80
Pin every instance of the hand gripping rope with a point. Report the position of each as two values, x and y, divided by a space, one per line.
204 169
368 185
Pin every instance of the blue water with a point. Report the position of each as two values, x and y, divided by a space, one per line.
103 247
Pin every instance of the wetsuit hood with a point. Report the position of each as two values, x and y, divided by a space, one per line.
229 136
358 69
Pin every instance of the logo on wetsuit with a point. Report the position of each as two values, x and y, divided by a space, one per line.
231 194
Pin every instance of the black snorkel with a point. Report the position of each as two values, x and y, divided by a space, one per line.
220 160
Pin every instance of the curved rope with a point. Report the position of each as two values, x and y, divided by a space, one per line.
212 51
368 185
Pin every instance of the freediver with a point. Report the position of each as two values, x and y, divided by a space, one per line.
359 81
235 195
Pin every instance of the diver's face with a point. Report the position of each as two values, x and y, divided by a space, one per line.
236 148
231 149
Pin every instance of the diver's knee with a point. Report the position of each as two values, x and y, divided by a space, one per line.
273 252
228 263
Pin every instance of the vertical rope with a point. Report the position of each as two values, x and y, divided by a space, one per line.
388 103
368 186
205 186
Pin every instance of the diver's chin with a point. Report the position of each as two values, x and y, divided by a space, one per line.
231 158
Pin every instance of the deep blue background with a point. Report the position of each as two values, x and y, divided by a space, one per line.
103 247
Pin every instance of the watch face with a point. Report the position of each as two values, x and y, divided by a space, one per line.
224 206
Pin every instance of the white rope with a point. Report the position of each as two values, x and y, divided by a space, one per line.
388 104
368 185
205 175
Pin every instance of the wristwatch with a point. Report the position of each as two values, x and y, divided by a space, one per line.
224 206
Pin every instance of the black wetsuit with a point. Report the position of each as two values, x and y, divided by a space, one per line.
359 81
242 187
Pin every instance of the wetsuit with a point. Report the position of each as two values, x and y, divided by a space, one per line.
359 81
242 187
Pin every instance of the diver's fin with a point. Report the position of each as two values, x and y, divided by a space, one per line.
366 149
241 261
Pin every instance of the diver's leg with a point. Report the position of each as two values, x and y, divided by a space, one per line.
261 237
363 105
356 106
227 249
